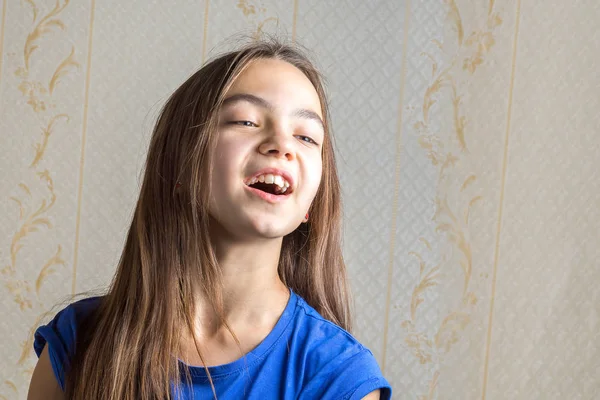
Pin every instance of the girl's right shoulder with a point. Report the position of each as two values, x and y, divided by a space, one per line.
59 336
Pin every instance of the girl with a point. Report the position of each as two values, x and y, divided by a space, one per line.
231 284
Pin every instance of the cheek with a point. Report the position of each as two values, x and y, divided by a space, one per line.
225 174
315 174
226 161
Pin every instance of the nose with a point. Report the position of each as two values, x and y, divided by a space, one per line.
278 144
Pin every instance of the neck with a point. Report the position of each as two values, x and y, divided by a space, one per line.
253 293
249 271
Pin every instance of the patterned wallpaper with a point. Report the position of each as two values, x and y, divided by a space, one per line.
467 139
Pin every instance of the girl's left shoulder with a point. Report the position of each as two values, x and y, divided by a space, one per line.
335 361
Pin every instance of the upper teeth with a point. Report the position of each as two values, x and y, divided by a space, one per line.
270 178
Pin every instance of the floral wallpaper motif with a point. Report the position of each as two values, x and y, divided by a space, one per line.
37 93
34 208
258 16
445 148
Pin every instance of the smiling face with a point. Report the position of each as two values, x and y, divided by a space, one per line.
270 129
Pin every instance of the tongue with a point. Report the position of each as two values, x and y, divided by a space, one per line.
265 187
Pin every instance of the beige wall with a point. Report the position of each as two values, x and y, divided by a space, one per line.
468 142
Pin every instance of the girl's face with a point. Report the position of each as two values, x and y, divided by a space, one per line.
270 129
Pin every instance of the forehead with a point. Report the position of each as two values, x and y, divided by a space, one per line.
278 82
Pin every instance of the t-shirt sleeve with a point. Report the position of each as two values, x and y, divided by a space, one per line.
60 336
349 379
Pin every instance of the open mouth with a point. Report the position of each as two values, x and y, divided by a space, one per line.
270 183
270 188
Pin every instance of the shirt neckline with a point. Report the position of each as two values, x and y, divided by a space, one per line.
257 354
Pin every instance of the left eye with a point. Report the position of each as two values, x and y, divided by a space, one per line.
307 139
245 123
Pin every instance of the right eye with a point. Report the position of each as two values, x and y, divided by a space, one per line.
245 123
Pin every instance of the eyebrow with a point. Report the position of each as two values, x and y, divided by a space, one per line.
260 102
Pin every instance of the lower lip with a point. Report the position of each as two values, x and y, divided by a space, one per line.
271 198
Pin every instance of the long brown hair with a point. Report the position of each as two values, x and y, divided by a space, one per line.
128 348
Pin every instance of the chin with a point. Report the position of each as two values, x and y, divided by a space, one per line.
271 232
271 229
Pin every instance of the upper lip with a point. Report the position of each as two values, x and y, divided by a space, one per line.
274 171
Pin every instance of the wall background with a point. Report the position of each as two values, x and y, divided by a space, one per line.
468 143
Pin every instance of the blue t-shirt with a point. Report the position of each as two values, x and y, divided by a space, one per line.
304 357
